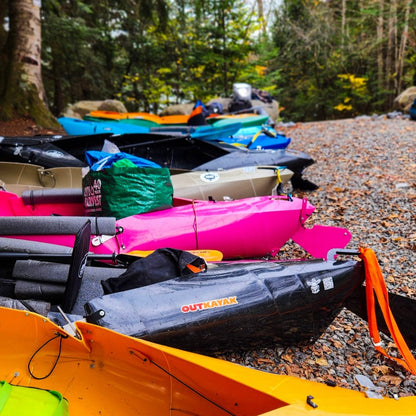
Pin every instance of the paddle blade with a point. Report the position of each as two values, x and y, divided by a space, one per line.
403 309
207 255
77 266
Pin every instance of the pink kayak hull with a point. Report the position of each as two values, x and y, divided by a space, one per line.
244 228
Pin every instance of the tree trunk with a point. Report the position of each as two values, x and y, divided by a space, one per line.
402 47
390 56
22 92
380 40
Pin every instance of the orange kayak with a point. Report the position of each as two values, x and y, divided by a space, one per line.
101 372
114 115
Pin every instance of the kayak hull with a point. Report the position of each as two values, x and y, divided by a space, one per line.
35 183
237 305
244 228
165 149
235 183
106 373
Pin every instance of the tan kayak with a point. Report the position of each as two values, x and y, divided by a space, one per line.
18 177
234 183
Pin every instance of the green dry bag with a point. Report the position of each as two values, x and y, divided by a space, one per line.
121 191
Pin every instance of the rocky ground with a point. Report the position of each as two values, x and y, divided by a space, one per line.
366 172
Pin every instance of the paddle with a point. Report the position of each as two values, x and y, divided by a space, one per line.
125 259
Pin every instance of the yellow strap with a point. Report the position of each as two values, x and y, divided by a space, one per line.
279 179
255 136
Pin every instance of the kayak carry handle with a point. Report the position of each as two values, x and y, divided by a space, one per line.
334 251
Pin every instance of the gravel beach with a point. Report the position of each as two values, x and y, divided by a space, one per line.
366 172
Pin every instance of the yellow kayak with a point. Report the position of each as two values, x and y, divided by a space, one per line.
101 372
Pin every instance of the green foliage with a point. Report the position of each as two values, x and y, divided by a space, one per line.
330 66
150 54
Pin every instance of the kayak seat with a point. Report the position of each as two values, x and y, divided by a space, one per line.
18 177
62 177
31 401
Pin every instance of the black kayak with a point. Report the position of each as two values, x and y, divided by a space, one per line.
161 298
236 305
227 305
185 153
36 150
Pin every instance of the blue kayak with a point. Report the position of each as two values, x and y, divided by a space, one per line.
77 127
258 137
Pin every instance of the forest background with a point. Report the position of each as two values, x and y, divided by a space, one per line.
320 60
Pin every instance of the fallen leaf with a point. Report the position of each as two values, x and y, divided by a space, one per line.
322 361
392 380
265 361
287 357
381 369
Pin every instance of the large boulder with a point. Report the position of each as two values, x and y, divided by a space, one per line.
175 109
112 105
403 101
81 108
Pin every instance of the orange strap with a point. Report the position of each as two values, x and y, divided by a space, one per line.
375 285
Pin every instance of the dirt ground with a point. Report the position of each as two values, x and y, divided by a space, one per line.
24 127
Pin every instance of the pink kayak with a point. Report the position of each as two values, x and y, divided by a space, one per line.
244 228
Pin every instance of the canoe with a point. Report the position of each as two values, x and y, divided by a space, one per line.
103 372
244 228
51 184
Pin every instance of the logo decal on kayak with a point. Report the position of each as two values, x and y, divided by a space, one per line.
210 177
314 284
55 153
209 304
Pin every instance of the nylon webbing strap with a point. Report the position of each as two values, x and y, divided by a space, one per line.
375 285
279 179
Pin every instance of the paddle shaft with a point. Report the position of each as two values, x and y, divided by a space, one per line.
59 258
127 258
